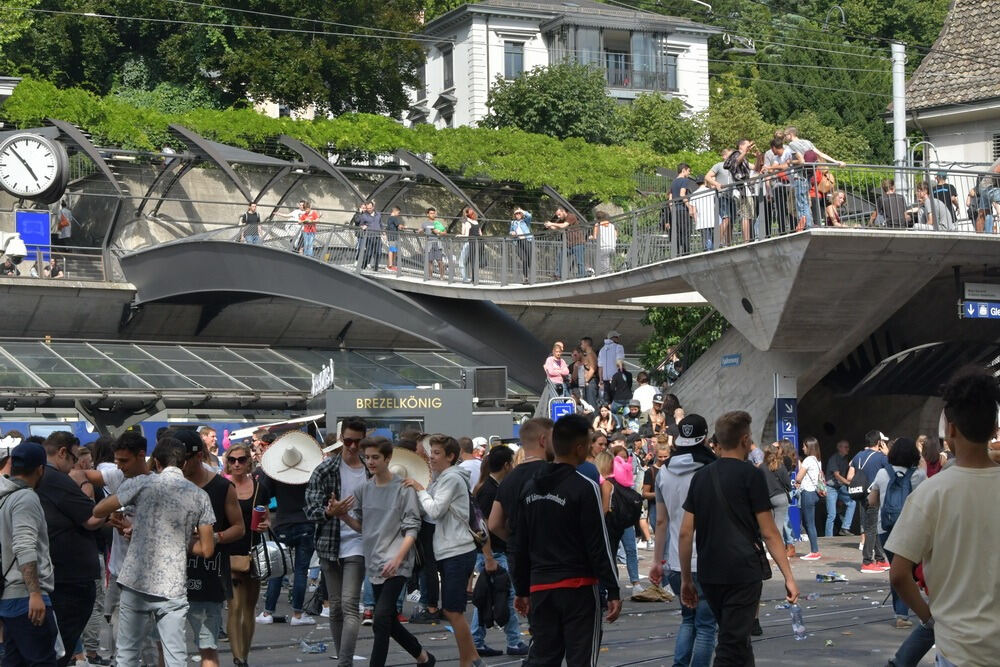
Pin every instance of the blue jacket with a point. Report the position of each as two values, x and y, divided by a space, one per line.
522 228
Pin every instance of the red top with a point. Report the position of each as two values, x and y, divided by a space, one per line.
308 220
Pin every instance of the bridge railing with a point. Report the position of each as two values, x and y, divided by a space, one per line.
852 196
59 263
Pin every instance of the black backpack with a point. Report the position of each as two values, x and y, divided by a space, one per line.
858 488
626 507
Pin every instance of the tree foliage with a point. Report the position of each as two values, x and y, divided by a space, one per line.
562 101
662 123
670 325
335 68
571 166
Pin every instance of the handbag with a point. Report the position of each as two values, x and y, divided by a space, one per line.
758 548
269 559
821 488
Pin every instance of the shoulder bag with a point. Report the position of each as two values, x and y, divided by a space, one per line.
758 548
240 563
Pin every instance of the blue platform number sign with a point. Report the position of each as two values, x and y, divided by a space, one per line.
787 419
559 407
33 226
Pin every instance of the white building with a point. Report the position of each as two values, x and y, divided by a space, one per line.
638 51
953 97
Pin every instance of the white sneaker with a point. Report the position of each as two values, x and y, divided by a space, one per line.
325 613
264 618
302 620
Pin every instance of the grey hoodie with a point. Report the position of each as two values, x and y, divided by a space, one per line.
446 501
672 485
24 536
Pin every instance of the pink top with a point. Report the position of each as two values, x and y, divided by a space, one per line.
623 472
556 369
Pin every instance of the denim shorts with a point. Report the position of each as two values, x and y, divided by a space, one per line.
205 619
455 573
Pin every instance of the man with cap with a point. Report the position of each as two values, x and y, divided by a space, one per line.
728 509
607 359
870 460
153 578
285 469
633 419
209 580
339 547
946 192
70 524
656 418
26 609
696 635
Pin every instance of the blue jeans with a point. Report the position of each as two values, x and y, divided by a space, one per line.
802 203
809 500
299 538
833 494
28 644
631 554
308 238
696 635
914 647
135 609
513 627
898 606
576 253
368 596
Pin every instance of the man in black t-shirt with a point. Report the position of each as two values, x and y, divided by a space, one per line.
727 512
499 463
72 540
250 225
682 211
393 224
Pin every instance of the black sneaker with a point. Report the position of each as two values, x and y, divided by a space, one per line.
756 631
487 652
520 649
98 660
424 617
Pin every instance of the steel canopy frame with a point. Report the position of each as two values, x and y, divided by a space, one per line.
312 158
200 146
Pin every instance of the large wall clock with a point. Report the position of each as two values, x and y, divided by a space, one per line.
33 167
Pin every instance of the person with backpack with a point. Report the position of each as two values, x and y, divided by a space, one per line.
860 477
892 486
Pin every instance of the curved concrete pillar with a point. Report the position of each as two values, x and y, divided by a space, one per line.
481 331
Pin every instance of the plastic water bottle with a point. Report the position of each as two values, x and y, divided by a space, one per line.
798 626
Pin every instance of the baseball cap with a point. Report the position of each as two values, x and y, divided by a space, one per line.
192 441
943 175
872 437
614 334
693 431
657 398
28 455
480 442
634 403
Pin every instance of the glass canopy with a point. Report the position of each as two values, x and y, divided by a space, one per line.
171 367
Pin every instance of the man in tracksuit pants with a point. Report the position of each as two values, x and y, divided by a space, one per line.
561 554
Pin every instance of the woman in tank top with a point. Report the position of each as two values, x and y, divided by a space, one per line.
238 465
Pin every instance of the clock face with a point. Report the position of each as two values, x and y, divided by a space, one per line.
30 165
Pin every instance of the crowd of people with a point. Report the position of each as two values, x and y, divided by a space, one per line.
544 525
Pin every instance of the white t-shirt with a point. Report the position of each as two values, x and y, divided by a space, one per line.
473 466
113 478
882 483
350 480
644 394
812 476
706 206
951 524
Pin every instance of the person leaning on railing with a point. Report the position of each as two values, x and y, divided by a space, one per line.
804 152
682 209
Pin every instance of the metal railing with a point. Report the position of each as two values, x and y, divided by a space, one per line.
853 196
59 263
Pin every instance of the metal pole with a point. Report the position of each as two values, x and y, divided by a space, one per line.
898 105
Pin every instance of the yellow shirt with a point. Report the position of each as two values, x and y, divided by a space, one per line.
951 523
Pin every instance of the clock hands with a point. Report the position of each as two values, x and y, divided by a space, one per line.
25 163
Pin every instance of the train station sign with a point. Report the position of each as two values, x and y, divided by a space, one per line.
979 310
982 292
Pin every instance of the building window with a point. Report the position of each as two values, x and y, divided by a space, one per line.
284 111
448 118
996 147
422 82
513 59
449 68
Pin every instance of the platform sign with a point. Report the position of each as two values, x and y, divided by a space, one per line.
33 226
980 310
561 406
787 419
982 291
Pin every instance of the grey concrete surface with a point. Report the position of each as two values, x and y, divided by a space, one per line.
847 626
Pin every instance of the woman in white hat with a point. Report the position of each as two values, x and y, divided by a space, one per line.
446 501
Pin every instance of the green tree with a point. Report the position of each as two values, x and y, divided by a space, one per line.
662 123
561 101
333 67
671 324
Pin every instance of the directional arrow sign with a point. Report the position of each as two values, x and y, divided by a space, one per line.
980 310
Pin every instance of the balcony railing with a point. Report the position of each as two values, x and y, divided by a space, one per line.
633 79
709 219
